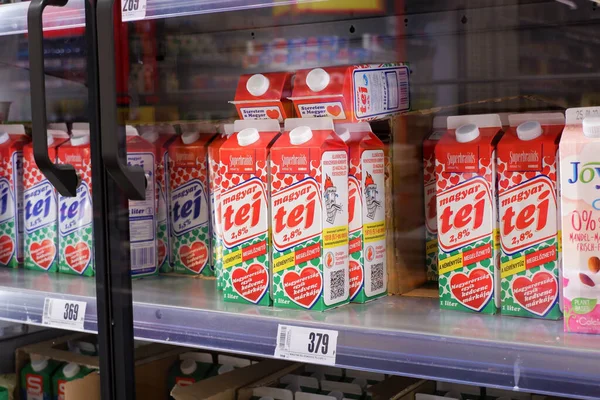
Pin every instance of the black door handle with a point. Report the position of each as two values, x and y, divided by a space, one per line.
130 179
62 176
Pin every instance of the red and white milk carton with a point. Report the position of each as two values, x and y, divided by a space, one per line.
429 190
12 140
189 200
366 212
309 204
528 210
245 212
142 213
264 96
467 216
161 136
352 93
215 172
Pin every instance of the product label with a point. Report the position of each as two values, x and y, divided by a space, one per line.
271 112
142 219
40 226
35 387
163 240
215 210
75 232
380 91
331 109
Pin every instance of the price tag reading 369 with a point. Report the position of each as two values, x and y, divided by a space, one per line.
68 314
316 346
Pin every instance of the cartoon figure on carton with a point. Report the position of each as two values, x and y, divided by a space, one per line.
331 206
371 195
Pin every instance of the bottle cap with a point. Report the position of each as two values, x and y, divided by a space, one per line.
190 137
467 133
257 85
223 369
4 137
300 134
87 347
39 364
529 130
131 131
80 140
317 79
49 139
150 135
247 136
344 134
71 369
188 366
591 127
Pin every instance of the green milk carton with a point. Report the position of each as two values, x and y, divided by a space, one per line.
66 373
36 379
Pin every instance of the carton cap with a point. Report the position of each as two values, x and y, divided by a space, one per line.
49 139
343 133
71 369
131 131
248 136
4 137
223 369
79 132
591 127
190 137
467 133
257 85
39 364
317 79
87 347
300 134
57 133
80 140
529 130
150 135
188 366
317 124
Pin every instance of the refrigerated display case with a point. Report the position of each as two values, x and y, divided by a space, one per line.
137 70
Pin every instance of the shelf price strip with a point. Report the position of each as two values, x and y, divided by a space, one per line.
67 314
312 345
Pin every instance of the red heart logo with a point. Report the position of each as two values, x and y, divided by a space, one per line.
356 278
162 252
7 246
251 284
472 291
525 291
288 180
304 288
195 257
273 114
441 184
504 183
334 110
517 179
78 256
43 253
530 174
454 179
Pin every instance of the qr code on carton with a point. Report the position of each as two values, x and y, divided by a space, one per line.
338 284
377 272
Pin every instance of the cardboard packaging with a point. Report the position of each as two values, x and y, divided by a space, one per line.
245 212
467 217
528 208
264 96
309 205
352 93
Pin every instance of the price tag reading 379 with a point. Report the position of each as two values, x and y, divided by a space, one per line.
68 314
312 345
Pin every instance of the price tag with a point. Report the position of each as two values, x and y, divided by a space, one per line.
67 314
133 10
316 346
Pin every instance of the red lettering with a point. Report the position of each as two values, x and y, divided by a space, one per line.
351 204
507 224
525 217
296 216
479 210
463 216
445 219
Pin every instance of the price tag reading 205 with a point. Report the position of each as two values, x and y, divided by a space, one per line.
132 10
68 314
316 346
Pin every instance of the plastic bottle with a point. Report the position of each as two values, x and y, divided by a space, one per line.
36 379
66 373
184 373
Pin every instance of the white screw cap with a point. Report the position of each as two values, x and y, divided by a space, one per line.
223 369
344 134
300 134
71 369
247 136
257 85
39 364
80 140
49 139
317 79
529 130
150 136
4 137
190 137
188 366
87 347
467 133
591 127
131 131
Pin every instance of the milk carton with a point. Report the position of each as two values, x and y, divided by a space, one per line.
429 190
161 137
366 212
580 209
12 140
467 218
189 202
352 93
264 96
216 170
75 214
143 213
309 205
245 213
40 209
527 206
